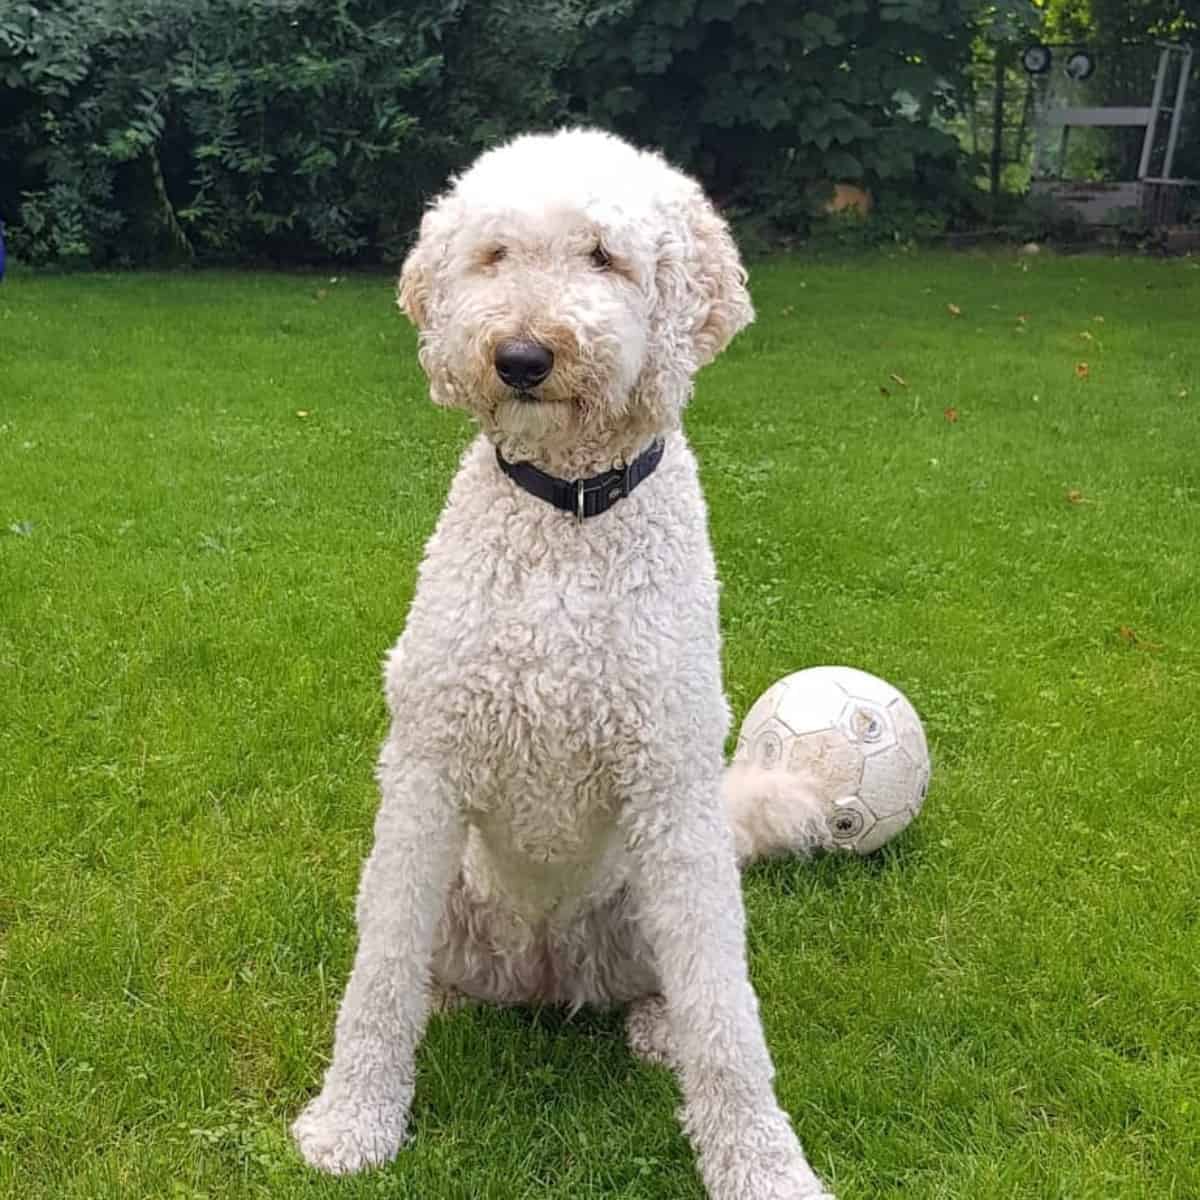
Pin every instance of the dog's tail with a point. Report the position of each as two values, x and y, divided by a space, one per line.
773 813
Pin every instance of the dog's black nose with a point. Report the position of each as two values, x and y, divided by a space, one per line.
523 364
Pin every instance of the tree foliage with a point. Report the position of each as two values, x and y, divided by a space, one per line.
227 128
1110 23
762 99
296 130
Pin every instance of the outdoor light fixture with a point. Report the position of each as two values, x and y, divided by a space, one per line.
1080 66
1037 59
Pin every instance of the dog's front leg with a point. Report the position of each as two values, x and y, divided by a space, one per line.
690 907
361 1115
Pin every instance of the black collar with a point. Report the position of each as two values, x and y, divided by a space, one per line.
584 497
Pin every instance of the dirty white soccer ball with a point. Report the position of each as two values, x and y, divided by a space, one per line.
855 740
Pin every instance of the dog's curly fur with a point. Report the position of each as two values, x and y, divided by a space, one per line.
552 827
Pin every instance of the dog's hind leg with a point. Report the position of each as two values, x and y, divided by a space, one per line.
361 1116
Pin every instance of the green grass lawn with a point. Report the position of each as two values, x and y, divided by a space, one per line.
214 490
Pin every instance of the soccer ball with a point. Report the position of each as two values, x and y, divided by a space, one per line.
854 739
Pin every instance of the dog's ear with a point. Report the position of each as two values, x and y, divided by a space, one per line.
418 276
701 280
721 278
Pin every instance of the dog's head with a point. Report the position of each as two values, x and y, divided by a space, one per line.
566 289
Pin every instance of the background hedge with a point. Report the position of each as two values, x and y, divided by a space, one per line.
138 131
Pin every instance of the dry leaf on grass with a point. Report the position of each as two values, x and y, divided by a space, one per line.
951 415
954 310
897 379
302 412
1082 370
1129 636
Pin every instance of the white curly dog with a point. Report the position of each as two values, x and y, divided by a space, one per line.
557 824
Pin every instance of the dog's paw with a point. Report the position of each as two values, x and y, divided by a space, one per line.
763 1181
648 1031
759 1159
769 1185
802 1185
341 1134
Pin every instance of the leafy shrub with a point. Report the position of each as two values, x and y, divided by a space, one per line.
1039 217
152 129
296 130
765 100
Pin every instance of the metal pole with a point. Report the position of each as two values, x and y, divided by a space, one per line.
1185 73
1160 81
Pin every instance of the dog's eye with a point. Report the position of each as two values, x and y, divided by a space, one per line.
496 254
601 259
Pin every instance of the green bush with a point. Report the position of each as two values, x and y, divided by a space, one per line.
1038 217
224 129
765 100
301 130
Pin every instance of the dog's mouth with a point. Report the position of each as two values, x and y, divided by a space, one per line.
534 395
532 413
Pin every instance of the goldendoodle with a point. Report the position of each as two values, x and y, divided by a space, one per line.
557 824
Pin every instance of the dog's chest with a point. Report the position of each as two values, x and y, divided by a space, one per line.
548 688
537 681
